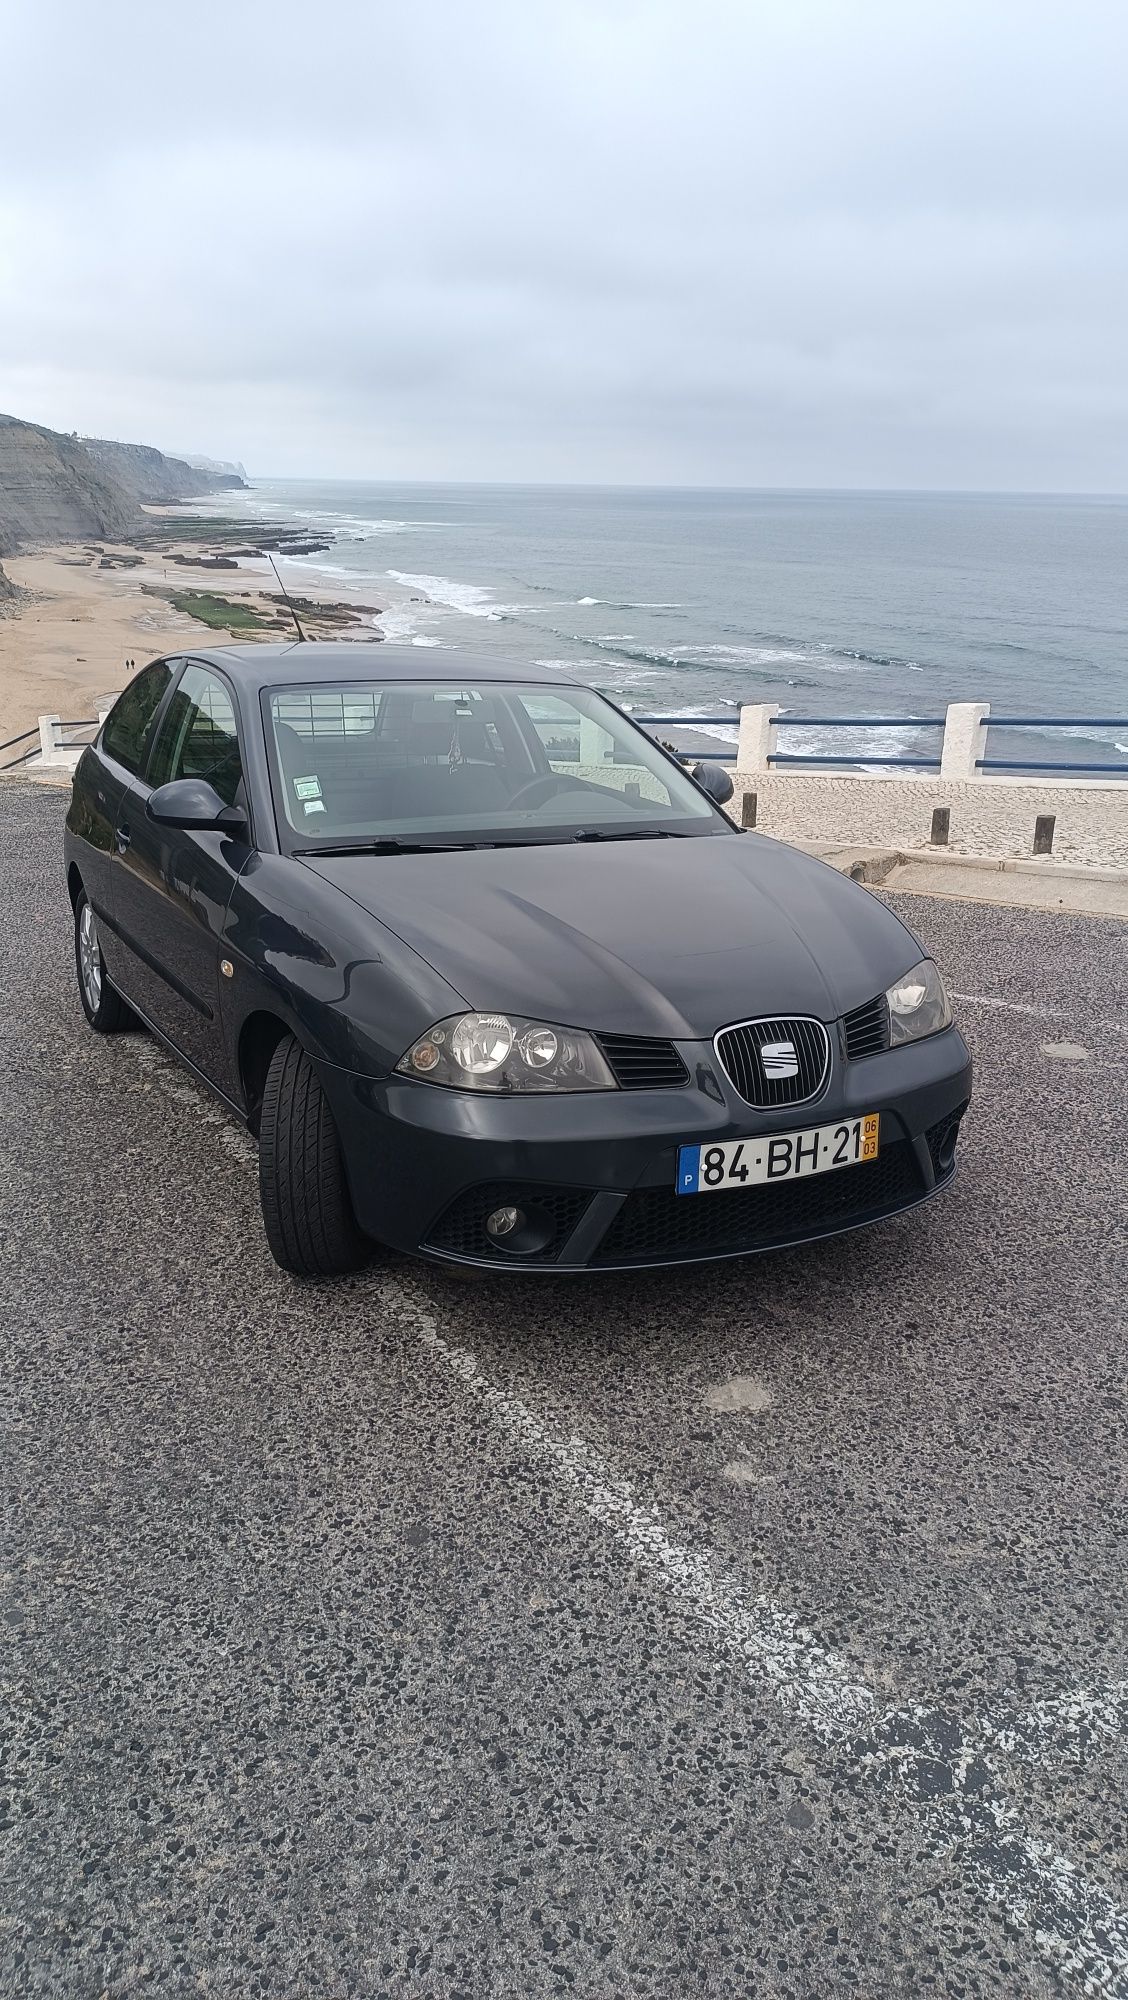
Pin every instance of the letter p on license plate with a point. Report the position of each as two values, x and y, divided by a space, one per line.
777 1156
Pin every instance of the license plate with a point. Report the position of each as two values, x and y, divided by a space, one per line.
779 1156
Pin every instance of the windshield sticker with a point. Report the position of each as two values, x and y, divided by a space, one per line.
307 788
314 806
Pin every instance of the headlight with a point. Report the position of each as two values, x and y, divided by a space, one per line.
505 1052
918 1005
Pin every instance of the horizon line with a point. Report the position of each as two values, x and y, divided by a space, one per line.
703 486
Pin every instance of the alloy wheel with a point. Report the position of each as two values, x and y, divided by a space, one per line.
89 958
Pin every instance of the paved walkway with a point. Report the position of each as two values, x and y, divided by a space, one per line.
758 1631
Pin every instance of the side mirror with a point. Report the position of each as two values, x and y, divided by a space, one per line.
195 805
713 780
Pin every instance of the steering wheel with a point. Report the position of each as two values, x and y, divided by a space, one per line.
537 790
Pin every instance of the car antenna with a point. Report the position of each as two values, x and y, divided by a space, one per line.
286 594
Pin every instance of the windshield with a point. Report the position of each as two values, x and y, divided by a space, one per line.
449 763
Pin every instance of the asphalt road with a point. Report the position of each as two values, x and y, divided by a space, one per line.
755 1631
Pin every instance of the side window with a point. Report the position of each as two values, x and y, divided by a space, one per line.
127 725
198 737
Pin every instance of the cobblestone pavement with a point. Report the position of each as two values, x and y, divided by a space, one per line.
990 818
754 1631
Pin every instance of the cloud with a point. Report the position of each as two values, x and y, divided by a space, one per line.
798 244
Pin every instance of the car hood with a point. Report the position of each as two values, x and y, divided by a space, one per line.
662 937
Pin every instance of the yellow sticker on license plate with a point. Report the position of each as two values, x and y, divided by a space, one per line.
768 1157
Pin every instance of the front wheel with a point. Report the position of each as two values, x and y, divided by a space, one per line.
306 1208
104 1008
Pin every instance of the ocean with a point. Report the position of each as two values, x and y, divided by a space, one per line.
691 601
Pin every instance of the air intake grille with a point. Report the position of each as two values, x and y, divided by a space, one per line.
641 1063
657 1226
938 1137
775 1062
867 1029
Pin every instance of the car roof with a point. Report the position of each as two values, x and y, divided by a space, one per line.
352 660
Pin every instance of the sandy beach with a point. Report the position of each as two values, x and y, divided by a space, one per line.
66 644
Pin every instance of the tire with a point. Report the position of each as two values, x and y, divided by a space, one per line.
306 1208
103 1007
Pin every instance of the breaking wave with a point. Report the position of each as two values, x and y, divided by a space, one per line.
471 600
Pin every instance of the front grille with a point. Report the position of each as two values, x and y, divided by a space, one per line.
655 1225
867 1029
642 1062
748 1056
461 1228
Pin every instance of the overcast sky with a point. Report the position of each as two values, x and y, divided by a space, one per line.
752 242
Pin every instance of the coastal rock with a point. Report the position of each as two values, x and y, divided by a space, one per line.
8 594
202 562
51 490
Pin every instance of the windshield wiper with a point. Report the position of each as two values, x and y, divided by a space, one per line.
390 846
629 833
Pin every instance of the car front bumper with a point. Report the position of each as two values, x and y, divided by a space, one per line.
595 1171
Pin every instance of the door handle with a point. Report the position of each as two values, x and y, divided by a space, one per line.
123 838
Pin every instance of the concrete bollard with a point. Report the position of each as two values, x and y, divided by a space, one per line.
48 740
965 738
941 826
1044 833
757 736
747 809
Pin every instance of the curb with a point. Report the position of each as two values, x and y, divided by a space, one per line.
875 864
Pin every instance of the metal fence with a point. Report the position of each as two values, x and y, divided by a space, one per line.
1053 722
962 750
963 723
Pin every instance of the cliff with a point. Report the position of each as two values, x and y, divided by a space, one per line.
225 473
52 490
55 488
147 474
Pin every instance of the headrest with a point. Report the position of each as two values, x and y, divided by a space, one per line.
292 748
431 730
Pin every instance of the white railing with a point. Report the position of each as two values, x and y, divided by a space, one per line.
961 741
53 742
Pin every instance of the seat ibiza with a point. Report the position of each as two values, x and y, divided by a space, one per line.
490 974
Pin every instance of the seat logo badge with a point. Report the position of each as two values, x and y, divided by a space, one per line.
779 1060
227 969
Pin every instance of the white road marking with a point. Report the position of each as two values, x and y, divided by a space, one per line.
1072 1726
948 1776
1037 1013
941 1771
815 1684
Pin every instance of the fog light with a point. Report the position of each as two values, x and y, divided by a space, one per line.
504 1221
